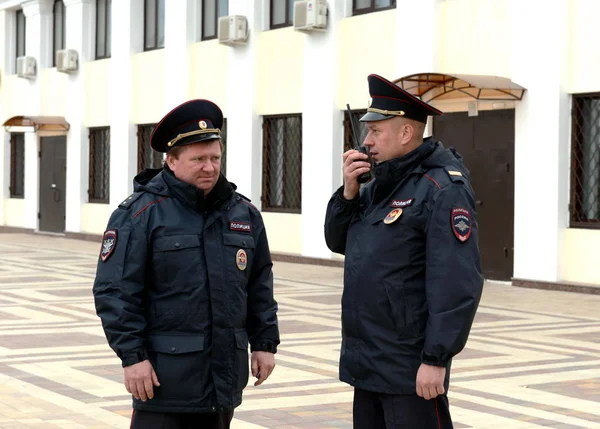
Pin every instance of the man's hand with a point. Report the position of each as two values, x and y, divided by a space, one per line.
430 381
352 170
262 366
139 379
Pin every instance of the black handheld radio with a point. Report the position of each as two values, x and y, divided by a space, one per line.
365 177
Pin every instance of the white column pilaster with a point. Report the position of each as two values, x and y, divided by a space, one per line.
81 24
180 32
416 18
322 130
244 154
127 39
38 40
541 138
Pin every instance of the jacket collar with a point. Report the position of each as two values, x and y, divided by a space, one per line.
389 173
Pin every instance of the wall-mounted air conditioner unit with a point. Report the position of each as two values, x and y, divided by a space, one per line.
310 15
26 67
66 60
233 30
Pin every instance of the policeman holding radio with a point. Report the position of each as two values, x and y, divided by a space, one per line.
412 275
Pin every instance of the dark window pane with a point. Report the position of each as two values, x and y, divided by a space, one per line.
362 4
160 25
382 3
209 19
101 28
150 24
224 154
223 8
290 14
282 152
108 27
147 157
361 129
585 181
278 16
17 165
59 25
99 179
20 33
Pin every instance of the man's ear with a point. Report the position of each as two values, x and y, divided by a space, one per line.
407 132
169 160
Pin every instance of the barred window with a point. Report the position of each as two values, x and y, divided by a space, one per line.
99 184
361 128
147 157
17 165
154 24
60 25
282 163
360 7
585 159
103 28
212 10
224 154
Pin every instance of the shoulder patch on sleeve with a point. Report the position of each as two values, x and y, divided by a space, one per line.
130 200
461 223
109 244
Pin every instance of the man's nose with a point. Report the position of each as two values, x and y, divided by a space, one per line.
208 166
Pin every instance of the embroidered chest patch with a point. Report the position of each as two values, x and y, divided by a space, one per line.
109 243
402 203
461 224
240 226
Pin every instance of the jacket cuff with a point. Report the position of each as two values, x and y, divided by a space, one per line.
131 357
346 204
433 360
263 346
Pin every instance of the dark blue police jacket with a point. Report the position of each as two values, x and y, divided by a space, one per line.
412 278
187 283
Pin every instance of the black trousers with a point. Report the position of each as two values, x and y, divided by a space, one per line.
380 411
152 420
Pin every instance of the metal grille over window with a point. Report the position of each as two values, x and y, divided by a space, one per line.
585 158
99 183
17 165
147 157
362 129
282 163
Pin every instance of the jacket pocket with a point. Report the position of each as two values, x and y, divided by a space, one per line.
238 256
178 260
241 359
403 322
182 367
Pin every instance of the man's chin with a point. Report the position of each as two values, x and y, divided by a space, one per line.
206 185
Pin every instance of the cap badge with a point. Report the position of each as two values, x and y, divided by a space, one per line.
202 125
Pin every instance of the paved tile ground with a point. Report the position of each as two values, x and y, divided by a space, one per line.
532 361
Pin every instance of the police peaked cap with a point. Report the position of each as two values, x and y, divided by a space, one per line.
389 100
191 122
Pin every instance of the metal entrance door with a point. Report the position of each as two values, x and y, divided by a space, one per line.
53 182
487 144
